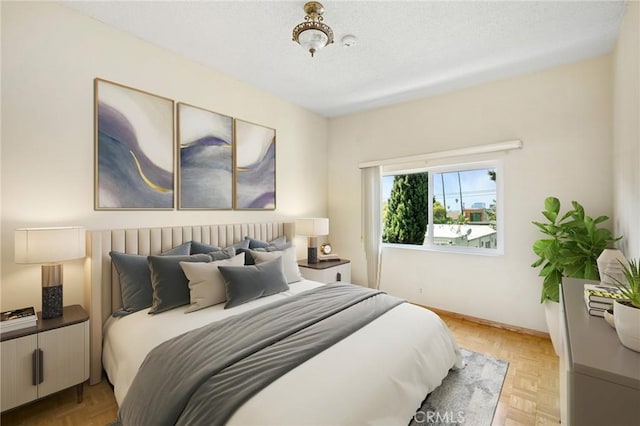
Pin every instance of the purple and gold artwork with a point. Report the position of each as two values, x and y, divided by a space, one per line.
205 141
134 148
255 166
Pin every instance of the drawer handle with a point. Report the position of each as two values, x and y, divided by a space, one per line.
34 368
40 366
37 367
338 277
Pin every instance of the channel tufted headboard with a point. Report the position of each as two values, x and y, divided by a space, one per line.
102 284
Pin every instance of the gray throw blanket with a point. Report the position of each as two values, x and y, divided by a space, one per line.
205 375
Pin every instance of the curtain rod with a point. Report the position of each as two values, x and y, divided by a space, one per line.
478 149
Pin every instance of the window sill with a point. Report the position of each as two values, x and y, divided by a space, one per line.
447 249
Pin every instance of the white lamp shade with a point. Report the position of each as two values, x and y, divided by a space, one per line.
49 245
312 227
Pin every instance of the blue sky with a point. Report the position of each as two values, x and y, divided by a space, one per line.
476 188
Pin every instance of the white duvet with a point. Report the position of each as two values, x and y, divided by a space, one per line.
377 376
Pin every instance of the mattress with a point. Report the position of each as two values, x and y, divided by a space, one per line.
379 375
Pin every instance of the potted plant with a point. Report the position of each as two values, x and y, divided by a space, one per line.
626 313
573 241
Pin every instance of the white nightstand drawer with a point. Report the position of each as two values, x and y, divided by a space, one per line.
327 272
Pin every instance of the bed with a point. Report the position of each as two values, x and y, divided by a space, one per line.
379 373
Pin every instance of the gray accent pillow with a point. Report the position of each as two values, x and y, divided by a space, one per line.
289 263
170 285
254 244
246 283
197 247
202 248
227 253
206 284
181 250
249 258
135 278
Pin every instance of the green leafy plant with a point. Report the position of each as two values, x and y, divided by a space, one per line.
573 243
631 288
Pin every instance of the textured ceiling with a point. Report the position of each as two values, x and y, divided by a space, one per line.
405 49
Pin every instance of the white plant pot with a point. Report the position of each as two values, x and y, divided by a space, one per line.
627 321
552 315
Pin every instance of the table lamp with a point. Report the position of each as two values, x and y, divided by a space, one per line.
313 228
50 246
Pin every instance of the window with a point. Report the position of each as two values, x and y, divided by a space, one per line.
451 208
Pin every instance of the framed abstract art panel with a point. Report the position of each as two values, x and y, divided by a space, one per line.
205 159
255 166
134 152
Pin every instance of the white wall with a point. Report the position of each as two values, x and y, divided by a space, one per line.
562 115
50 56
626 132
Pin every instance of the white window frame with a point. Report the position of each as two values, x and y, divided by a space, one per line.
496 164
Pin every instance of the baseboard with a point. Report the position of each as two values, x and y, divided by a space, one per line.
521 330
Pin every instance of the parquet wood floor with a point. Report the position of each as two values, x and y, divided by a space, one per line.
98 408
530 394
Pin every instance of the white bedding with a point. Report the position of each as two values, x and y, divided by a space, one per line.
377 376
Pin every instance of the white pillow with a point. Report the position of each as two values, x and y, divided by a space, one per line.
289 262
206 284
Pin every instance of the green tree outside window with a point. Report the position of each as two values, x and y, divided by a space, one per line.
406 215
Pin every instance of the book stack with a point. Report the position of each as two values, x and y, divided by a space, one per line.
17 319
328 257
599 298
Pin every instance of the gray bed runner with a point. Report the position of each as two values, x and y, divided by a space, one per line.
205 375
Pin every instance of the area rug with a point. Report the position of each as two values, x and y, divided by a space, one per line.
466 397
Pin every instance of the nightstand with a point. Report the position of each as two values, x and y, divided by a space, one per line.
326 271
38 361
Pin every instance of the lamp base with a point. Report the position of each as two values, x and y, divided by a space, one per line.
52 301
312 255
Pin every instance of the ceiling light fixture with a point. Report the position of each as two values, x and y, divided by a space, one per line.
313 34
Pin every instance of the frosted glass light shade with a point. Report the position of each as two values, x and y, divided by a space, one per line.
313 40
49 245
312 227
